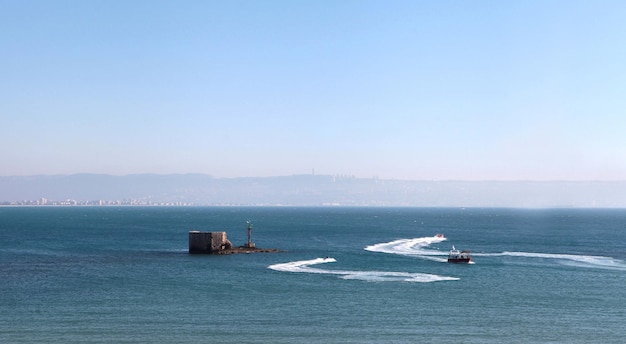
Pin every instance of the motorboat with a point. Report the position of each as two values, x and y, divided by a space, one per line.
457 256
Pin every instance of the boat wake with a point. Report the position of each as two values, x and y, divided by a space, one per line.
583 261
417 247
305 266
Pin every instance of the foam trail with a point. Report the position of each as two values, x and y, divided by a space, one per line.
417 247
599 262
411 247
304 266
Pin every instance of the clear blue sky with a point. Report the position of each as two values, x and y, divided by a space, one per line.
467 90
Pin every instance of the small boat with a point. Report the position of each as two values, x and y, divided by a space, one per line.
457 256
440 236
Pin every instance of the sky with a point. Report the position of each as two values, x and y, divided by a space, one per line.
414 90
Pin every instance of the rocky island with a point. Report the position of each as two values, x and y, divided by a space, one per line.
218 243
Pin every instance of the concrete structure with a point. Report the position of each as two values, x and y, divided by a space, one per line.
217 243
249 244
208 242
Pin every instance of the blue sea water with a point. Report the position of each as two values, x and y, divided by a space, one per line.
346 275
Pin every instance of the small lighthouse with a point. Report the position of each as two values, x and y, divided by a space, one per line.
249 244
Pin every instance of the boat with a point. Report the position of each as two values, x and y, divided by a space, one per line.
440 236
456 256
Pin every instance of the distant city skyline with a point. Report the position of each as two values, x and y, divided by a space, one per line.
302 190
407 90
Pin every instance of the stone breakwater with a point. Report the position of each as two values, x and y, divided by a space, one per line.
243 249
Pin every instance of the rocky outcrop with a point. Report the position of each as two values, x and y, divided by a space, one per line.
217 243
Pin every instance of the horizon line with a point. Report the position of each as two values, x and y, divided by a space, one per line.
346 176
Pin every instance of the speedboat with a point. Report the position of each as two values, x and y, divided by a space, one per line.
440 236
456 256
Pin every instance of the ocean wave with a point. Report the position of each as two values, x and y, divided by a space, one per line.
304 266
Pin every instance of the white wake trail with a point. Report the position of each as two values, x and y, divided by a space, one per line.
418 247
411 247
304 266
585 261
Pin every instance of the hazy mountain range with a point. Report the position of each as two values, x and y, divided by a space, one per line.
312 190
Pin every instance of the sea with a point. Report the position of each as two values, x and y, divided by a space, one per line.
344 275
